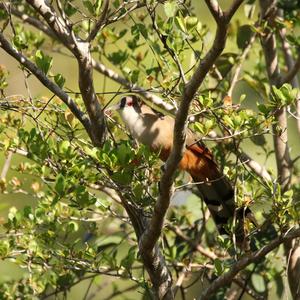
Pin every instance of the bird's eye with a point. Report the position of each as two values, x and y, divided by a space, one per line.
129 103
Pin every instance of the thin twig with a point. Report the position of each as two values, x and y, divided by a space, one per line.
120 292
6 46
206 252
31 20
227 277
81 51
237 72
100 23
6 165
293 70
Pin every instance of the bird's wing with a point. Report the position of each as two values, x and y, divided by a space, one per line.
160 135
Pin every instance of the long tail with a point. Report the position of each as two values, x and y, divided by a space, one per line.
216 191
218 195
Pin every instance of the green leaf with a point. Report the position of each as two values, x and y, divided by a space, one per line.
209 124
32 246
206 101
124 153
65 280
279 285
123 177
242 98
134 76
59 80
128 261
199 127
98 4
258 283
228 120
191 22
244 35
118 57
60 184
20 42
288 194
263 108
218 266
73 226
180 24
93 152
44 62
70 9
89 5
4 248
259 140
116 3
105 158
170 8
138 29
138 191
64 147
278 94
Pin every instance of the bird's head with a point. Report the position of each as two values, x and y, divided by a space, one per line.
131 101
126 104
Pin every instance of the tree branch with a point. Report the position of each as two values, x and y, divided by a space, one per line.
99 23
85 80
251 292
290 64
215 10
152 98
32 21
258 169
148 241
292 249
268 41
6 165
227 277
99 67
6 46
237 72
56 23
293 70
232 9
283 160
148 96
81 51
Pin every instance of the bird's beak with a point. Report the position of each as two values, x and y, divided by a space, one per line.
109 110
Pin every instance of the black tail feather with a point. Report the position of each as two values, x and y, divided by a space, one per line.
218 195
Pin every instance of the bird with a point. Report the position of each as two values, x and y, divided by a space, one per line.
156 131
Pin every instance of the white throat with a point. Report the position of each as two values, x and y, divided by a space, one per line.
133 121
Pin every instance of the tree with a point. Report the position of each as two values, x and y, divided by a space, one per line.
101 202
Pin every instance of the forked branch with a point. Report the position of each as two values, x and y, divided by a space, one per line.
24 61
81 50
150 238
227 277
